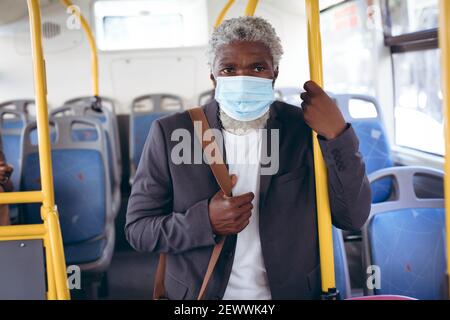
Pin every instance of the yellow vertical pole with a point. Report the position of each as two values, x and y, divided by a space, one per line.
223 13
92 46
251 7
322 199
444 42
48 210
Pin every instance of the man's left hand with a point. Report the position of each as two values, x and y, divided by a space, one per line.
321 113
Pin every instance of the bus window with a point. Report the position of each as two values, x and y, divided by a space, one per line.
349 46
129 25
411 16
411 33
418 101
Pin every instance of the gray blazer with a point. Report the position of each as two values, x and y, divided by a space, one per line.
168 207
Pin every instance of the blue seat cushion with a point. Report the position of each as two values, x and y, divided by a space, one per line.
84 252
409 247
141 128
375 150
79 181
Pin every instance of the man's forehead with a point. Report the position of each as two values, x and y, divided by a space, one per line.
248 49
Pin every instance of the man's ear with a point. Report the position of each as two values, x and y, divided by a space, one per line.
211 76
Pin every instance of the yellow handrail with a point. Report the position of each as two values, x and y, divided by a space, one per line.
92 46
223 13
49 231
22 197
444 42
251 7
322 199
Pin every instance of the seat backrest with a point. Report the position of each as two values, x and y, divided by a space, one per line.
21 105
145 110
405 238
340 265
206 97
105 102
107 116
22 272
81 182
364 113
11 127
108 121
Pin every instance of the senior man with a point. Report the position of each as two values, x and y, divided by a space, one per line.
270 223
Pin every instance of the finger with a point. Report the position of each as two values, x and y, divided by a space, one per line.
304 106
245 217
241 200
244 208
305 97
241 226
312 88
233 180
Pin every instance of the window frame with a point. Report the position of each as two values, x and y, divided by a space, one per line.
423 40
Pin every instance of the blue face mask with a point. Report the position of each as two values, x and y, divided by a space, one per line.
244 98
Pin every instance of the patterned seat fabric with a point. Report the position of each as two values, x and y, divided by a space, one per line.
409 247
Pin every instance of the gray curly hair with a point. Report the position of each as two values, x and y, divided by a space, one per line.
245 29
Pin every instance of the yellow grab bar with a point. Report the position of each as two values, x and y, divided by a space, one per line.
444 42
22 197
322 199
50 230
223 13
251 7
92 46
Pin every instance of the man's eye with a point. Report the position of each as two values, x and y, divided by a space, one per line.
259 69
227 70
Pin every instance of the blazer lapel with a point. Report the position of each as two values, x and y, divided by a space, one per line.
272 124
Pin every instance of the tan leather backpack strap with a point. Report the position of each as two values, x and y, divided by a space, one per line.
219 170
222 176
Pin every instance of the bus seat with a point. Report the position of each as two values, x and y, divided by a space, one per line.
374 146
405 238
20 105
11 126
109 105
340 265
206 97
22 271
145 110
108 121
82 192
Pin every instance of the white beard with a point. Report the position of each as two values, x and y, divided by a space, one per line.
242 127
